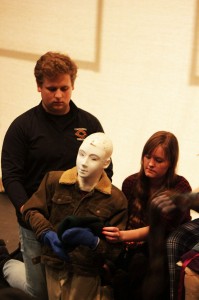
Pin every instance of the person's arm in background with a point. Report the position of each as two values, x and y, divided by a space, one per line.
169 203
12 162
174 217
163 203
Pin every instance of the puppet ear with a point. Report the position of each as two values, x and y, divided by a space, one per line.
107 162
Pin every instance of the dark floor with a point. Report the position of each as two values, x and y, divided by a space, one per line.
8 223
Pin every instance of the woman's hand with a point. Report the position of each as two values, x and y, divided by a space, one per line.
112 234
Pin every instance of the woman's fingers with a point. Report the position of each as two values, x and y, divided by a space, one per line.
111 233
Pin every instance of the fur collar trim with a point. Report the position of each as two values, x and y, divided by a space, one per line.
70 177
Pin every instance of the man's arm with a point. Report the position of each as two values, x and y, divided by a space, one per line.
36 212
12 162
182 202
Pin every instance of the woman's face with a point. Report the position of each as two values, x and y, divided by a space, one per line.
156 164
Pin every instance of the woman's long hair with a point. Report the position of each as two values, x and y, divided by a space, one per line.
156 282
138 207
169 143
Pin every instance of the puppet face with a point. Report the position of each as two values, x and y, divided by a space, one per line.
91 160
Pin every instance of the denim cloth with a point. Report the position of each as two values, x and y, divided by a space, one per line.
35 273
15 275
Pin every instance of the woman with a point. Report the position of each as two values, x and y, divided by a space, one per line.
157 174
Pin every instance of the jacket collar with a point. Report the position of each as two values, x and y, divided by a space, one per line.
70 177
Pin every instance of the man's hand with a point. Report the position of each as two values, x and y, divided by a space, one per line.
51 239
167 203
80 236
164 203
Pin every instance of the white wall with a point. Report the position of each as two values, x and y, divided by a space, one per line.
135 59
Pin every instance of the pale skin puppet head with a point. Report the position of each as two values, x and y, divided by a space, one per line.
93 157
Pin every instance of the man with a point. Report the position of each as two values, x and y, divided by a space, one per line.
46 137
74 256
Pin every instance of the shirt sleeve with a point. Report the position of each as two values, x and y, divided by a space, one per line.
36 209
13 164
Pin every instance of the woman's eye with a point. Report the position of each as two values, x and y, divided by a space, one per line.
159 160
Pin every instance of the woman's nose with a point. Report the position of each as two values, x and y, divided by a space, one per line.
151 162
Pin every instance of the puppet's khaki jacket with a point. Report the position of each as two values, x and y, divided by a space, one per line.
59 196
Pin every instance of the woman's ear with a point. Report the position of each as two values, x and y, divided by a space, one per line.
107 162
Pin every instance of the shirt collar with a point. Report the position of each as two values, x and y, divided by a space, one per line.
70 177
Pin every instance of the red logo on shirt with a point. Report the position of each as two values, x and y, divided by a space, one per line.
81 133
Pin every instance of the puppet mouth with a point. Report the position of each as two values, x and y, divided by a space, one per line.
83 171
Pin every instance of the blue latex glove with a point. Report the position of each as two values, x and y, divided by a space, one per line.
51 239
80 236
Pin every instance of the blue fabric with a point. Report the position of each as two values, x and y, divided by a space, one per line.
80 236
51 239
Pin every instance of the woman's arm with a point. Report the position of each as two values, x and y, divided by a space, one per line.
114 235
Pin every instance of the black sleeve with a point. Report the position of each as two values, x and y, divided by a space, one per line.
13 164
